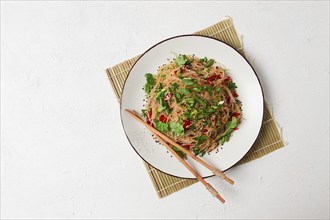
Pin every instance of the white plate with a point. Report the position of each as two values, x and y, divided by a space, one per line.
248 88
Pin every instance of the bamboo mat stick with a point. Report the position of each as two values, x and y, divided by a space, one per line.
216 171
206 184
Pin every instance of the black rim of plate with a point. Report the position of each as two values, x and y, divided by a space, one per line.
189 35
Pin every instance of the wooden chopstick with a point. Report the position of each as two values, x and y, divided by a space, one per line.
216 171
206 184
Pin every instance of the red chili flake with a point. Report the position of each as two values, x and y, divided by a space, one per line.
148 119
187 146
236 114
211 78
168 96
235 128
150 123
182 70
228 79
186 124
234 94
149 114
162 118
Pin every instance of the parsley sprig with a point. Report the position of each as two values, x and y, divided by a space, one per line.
149 84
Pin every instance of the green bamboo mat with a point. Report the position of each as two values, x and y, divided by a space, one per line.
268 139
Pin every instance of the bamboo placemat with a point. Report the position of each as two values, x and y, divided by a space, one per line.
268 139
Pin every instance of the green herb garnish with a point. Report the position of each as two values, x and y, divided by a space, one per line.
192 127
197 89
178 73
179 152
187 81
175 86
147 88
189 101
144 112
180 59
184 91
200 139
202 60
189 61
209 63
193 113
149 78
196 150
160 126
225 136
202 153
209 90
232 86
186 114
200 100
163 106
177 129
159 87
177 96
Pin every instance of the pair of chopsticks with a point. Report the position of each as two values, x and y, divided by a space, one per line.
164 140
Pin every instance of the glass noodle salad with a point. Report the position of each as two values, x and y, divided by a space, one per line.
194 102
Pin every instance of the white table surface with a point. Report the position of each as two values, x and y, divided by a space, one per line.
64 153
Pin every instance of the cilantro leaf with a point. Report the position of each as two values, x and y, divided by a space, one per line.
144 112
160 96
184 91
175 86
186 114
149 84
197 89
192 127
209 90
200 100
147 88
189 101
177 129
189 61
200 139
193 113
225 136
176 95
196 150
179 152
162 107
149 78
187 81
232 86
181 60
159 87
202 153
160 126
178 73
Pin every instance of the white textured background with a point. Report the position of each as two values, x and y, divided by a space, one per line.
64 153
